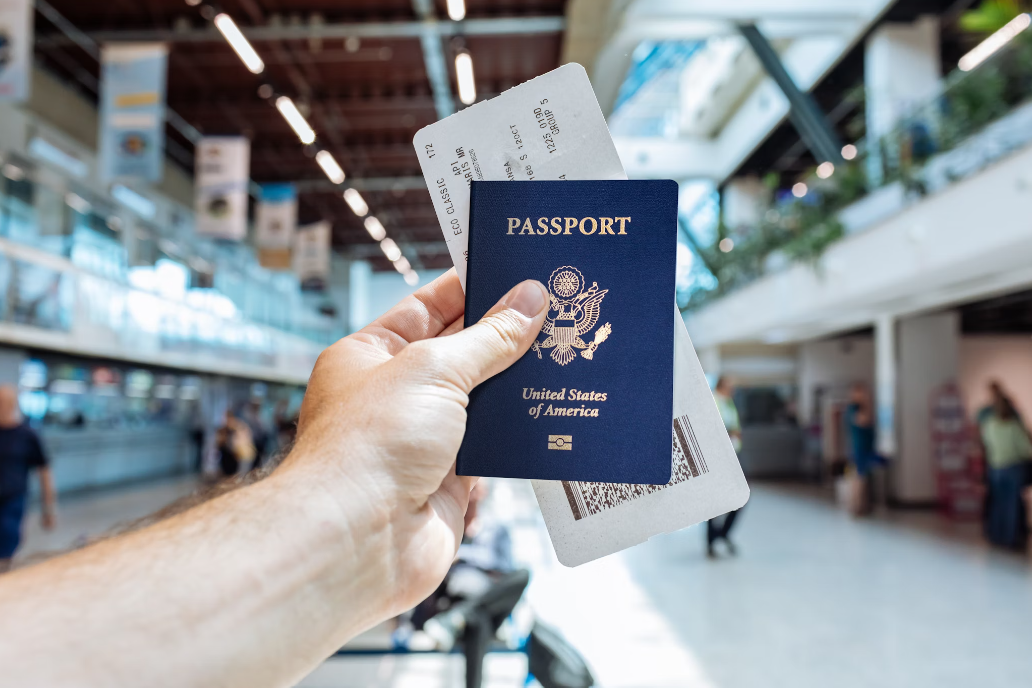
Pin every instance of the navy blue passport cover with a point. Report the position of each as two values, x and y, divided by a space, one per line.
593 399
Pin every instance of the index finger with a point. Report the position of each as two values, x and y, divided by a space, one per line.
423 315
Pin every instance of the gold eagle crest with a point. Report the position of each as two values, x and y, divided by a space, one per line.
573 311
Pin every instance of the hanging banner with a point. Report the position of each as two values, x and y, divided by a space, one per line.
16 39
275 222
312 255
221 178
132 111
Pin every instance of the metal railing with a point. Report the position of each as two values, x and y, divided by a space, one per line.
978 117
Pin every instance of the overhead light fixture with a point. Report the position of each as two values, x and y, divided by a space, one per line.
390 249
295 119
849 151
356 202
464 75
984 50
78 203
402 265
225 24
825 170
138 203
375 229
456 10
330 166
799 190
411 278
48 152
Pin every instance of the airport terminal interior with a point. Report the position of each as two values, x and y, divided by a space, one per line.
199 196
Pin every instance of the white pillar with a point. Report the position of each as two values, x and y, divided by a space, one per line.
885 383
709 358
928 358
360 275
902 69
744 200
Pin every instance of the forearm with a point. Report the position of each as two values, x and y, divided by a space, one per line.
46 489
253 588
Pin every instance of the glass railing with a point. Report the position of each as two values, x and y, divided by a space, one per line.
167 261
977 118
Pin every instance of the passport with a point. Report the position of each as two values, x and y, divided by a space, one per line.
593 397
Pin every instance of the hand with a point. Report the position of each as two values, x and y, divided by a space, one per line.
49 521
382 420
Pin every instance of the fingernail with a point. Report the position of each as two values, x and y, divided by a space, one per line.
527 297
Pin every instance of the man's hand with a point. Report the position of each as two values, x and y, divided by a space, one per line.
383 418
257 586
47 519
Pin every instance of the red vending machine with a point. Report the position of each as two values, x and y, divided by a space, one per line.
957 455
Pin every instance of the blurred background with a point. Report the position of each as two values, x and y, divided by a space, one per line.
196 198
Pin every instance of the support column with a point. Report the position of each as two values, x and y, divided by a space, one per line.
885 383
744 200
902 69
928 359
358 295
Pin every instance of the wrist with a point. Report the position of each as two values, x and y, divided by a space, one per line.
342 529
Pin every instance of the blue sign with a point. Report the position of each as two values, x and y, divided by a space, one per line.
132 111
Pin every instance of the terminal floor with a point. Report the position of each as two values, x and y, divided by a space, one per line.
814 599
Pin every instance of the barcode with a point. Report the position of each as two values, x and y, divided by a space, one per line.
588 499
690 446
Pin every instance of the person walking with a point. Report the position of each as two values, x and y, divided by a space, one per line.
20 453
720 528
234 445
1008 452
860 419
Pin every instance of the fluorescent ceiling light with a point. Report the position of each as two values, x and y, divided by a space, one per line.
411 278
356 202
984 50
231 32
457 10
329 166
464 75
139 204
402 265
48 152
390 249
375 229
295 119
78 203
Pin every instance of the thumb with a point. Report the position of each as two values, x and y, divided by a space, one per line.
498 340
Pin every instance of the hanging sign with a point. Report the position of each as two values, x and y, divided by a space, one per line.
132 111
221 178
275 223
16 39
312 255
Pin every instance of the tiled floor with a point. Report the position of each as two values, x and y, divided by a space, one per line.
814 599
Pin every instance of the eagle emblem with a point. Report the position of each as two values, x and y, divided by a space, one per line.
572 313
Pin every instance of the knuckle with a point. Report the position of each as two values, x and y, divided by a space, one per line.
507 328
422 355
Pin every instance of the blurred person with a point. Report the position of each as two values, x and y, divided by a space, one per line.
860 420
252 416
996 393
1008 452
234 445
720 528
286 424
20 453
361 521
